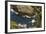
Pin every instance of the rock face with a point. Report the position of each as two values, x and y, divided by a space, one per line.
23 9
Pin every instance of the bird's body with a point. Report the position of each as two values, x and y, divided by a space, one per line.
20 19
